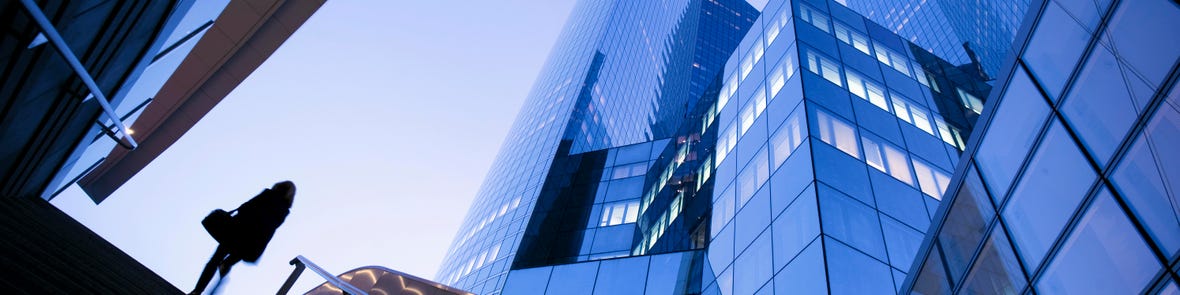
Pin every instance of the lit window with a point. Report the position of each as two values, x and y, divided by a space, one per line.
933 83
873 155
747 118
747 66
837 133
758 50
900 63
901 108
949 134
727 92
782 74
877 96
921 120
817 19
632 212
824 67
850 37
759 102
882 56
855 84
886 158
842 33
725 143
619 213
930 180
970 101
772 33
920 75
867 90
777 80
787 138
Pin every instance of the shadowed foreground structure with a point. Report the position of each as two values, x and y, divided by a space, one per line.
57 255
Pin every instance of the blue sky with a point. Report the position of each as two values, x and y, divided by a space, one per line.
385 114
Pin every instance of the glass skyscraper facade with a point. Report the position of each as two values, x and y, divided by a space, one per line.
836 140
1071 185
943 26
798 147
621 73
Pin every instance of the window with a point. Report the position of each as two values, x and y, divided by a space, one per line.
786 139
932 181
882 53
901 108
747 65
886 158
619 213
949 134
773 29
757 50
824 67
748 115
970 101
725 143
850 37
817 19
730 89
867 90
837 133
889 58
900 63
911 113
921 120
777 80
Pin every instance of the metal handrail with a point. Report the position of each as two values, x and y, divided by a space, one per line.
63 49
301 262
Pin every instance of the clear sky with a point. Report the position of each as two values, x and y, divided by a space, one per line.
386 115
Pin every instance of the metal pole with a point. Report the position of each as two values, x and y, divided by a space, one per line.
294 276
64 50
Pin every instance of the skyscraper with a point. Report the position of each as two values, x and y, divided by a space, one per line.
1071 185
622 73
949 28
816 119
835 144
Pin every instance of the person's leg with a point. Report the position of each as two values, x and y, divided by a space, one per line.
228 263
218 257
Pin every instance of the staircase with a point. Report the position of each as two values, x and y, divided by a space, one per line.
45 251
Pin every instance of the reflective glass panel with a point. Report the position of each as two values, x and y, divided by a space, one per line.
1099 106
621 276
967 221
1104 255
795 228
1144 34
1011 133
805 274
1055 48
854 273
996 271
1059 170
850 221
574 279
1141 178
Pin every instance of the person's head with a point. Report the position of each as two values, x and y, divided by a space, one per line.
285 188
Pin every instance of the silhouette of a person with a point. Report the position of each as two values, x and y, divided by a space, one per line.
252 228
